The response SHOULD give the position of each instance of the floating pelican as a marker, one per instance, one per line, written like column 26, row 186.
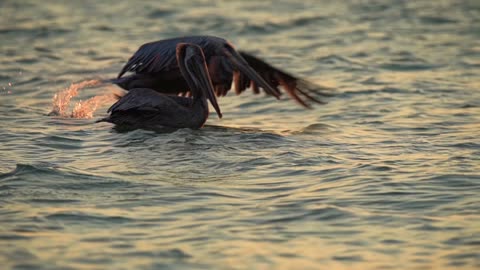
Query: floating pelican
column 147, row 108
column 155, row 66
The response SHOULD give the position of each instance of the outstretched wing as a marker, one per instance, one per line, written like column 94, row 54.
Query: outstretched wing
column 301, row 90
column 160, row 56
column 155, row 66
column 152, row 57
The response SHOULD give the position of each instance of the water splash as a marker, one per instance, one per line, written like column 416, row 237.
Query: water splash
column 86, row 108
column 61, row 100
column 81, row 109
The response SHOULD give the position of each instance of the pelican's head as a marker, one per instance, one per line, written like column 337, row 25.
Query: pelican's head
column 191, row 60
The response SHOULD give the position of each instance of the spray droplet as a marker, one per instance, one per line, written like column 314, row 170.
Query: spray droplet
column 61, row 100
column 86, row 108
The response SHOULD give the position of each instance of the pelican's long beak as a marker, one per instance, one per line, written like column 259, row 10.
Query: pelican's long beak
column 207, row 88
column 240, row 63
column 195, row 72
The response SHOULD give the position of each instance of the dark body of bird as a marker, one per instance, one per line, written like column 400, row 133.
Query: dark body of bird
column 149, row 109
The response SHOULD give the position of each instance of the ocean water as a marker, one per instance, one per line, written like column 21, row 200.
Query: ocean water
column 384, row 176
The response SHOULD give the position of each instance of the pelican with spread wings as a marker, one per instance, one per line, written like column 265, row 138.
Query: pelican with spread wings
column 155, row 66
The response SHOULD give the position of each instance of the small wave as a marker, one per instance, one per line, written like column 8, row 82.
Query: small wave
column 352, row 258
column 278, row 24
column 102, row 28
column 322, row 213
column 41, row 31
column 313, row 129
column 171, row 253
column 80, row 217
column 160, row 13
column 372, row 81
column 336, row 59
column 387, row 90
column 437, row 20
column 407, row 66
column 22, row 169
column 27, row 60
column 71, row 179
column 10, row 237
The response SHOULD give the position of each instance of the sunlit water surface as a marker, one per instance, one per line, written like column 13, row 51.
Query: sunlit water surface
column 385, row 176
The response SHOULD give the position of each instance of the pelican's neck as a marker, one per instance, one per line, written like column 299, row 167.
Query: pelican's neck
column 200, row 106
column 200, row 100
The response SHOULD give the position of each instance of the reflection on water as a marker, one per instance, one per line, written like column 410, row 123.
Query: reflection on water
column 384, row 176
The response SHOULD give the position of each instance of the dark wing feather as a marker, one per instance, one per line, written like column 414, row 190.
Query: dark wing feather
column 301, row 90
column 160, row 56
column 152, row 58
